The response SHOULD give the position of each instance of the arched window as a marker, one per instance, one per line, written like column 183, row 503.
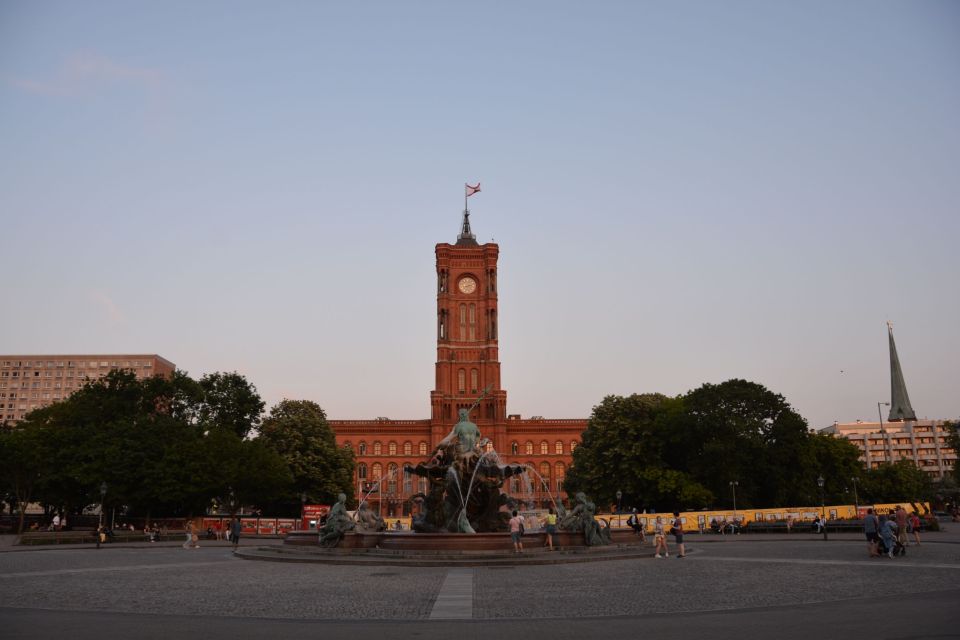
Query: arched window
column 348, row 445
column 407, row 484
column 461, row 380
column 561, row 471
column 545, row 473
column 362, row 448
column 377, row 448
column 573, row 445
column 558, row 448
column 528, row 448
column 423, row 448
column 544, row 448
column 407, row 448
column 377, row 470
column 474, row 380
column 514, row 448
column 362, row 470
column 392, row 448
column 463, row 322
column 473, row 322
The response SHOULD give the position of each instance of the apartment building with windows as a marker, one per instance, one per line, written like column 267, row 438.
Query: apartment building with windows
column 29, row 382
column 923, row 442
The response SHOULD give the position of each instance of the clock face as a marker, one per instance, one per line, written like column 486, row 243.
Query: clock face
column 467, row 285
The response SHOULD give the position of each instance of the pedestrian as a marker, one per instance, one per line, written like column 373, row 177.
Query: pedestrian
column 659, row 539
column 56, row 522
column 888, row 532
column 193, row 539
column 550, row 526
column 235, row 531
column 915, row 526
column 516, row 531
column 677, row 530
column 901, row 516
column 871, row 529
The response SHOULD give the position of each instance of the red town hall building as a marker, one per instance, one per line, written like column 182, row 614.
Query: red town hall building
column 467, row 376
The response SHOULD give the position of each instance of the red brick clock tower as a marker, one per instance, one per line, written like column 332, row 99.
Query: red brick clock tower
column 468, row 360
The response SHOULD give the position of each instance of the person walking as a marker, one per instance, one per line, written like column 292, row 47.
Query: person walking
column 659, row 539
column 677, row 530
column 193, row 540
column 888, row 531
column 550, row 526
column 516, row 532
column 901, row 517
column 915, row 526
column 235, row 532
column 871, row 529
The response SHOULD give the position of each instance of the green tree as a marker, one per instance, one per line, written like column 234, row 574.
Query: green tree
column 298, row 431
column 953, row 441
column 229, row 401
column 21, row 467
column 838, row 461
column 623, row 449
column 741, row 431
column 901, row 481
column 245, row 471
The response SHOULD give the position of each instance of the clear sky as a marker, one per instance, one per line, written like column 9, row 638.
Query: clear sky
column 682, row 192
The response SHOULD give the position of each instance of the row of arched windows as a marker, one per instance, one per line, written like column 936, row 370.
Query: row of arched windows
column 528, row 447
column 392, row 448
column 375, row 472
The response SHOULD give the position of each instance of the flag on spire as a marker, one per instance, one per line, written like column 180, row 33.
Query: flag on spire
column 472, row 190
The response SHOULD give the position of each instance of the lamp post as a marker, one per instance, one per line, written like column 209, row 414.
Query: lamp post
column 103, row 494
column 733, row 487
column 619, row 507
column 856, row 499
column 886, row 444
column 823, row 507
column 303, row 508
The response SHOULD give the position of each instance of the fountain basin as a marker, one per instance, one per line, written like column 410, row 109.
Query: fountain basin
column 411, row 541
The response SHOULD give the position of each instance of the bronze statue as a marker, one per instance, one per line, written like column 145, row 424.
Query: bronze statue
column 338, row 523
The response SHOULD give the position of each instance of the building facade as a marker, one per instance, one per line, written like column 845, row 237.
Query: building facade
column 467, row 376
column 923, row 442
column 903, row 437
column 29, row 382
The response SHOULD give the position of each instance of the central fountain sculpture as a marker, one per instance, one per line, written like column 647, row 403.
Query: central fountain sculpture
column 465, row 495
column 465, row 482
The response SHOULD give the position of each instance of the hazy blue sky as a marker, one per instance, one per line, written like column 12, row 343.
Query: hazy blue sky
column 682, row 192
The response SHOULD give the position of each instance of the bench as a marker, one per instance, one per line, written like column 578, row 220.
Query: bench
column 90, row 537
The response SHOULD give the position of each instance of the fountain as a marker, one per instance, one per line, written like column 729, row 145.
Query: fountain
column 465, row 507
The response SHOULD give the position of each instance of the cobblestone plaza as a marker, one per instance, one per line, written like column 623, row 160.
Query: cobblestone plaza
column 729, row 586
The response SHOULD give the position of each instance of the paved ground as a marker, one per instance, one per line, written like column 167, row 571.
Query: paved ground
column 732, row 586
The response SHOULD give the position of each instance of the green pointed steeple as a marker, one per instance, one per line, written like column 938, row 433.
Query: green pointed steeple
column 900, row 408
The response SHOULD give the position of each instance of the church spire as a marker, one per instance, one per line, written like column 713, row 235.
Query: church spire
column 900, row 408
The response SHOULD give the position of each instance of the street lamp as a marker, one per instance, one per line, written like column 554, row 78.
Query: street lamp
column 619, row 508
column 886, row 444
column 823, row 507
column 303, row 508
column 856, row 499
column 103, row 494
column 733, row 487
